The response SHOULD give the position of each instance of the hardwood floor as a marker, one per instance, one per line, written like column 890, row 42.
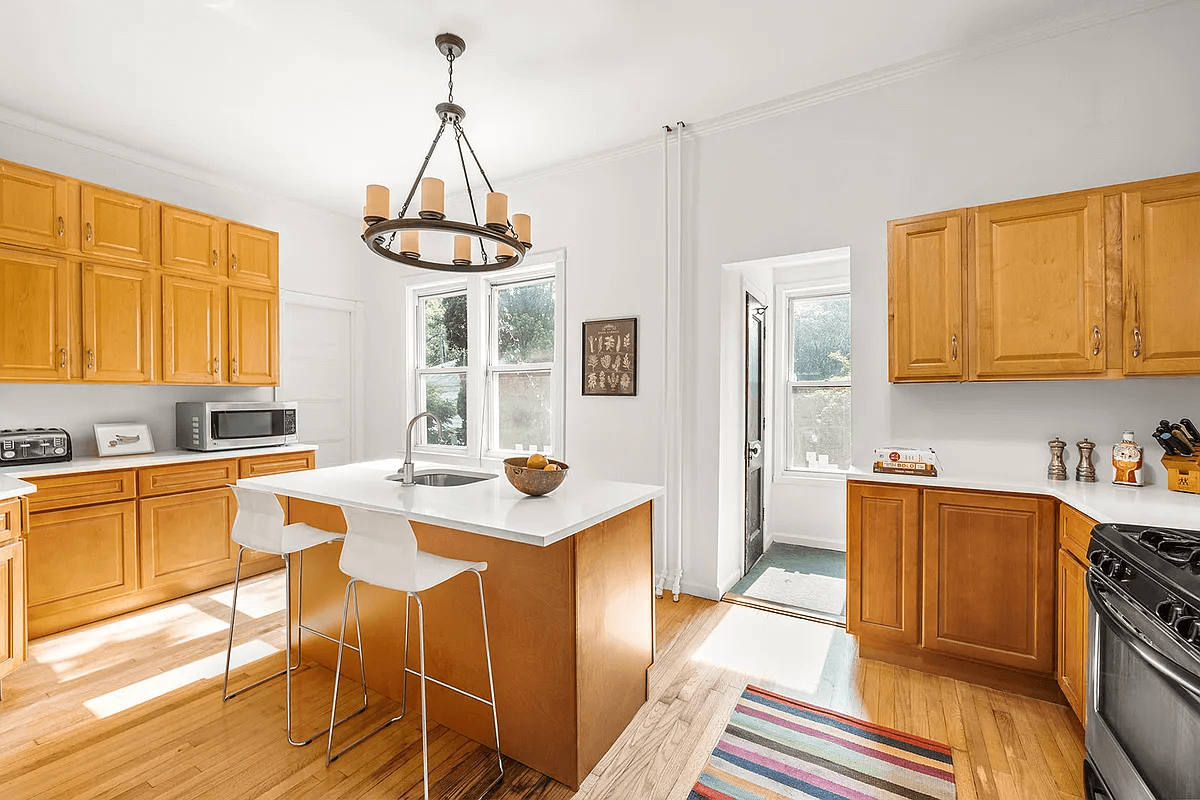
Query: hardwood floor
column 131, row 709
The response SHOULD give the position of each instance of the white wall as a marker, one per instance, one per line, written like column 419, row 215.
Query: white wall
column 319, row 253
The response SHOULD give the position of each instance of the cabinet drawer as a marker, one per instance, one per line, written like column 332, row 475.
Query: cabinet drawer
column 175, row 478
column 10, row 520
column 257, row 466
column 81, row 489
column 1074, row 531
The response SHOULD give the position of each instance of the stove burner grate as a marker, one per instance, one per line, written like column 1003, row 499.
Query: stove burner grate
column 1174, row 546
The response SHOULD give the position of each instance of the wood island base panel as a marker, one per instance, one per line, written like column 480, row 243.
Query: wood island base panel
column 571, row 626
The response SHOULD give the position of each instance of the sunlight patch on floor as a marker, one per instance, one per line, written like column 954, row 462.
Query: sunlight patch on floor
column 135, row 694
column 256, row 600
column 789, row 651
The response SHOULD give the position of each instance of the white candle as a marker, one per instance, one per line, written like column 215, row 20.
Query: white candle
column 378, row 201
column 521, row 225
column 497, row 209
column 503, row 251
column 410, row 243
column 462, row 249
column 433, row 196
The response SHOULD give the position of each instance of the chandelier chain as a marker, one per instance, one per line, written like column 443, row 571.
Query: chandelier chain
column 450, row 59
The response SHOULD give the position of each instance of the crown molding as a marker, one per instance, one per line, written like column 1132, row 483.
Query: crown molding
column 1011, row 39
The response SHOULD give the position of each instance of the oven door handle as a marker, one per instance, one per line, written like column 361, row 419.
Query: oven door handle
column 1130, row 636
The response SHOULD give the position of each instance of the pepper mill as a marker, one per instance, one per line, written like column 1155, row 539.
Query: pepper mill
column 1057, row 471
column 1085, row 470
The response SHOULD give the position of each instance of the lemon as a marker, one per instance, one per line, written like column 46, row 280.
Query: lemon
column 550, row 468
column 537, row 461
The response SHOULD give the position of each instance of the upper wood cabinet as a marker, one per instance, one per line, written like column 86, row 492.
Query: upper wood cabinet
column 191, row 241
column 253, row 255
column 1037, row 288
column 191, row 330
column 1161, row 250
column 34, row 326
column 883, row 525
column 118, row 324
column 253, row 337
column 926, row 259
column 117, row 225
column 989, row 578
column 33, row 207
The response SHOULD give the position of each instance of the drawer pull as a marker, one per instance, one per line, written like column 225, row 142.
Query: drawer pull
column 954, row 347
column 214, row 258
column 88, row 228
column 62, row 358
column 62, row 227
column 1095, row 340
column 1137, row 342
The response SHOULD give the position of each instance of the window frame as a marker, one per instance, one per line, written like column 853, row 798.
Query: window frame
column 480, row 290
column 786, row 297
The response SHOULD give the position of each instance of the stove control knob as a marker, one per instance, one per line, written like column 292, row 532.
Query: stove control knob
column 1115, row 569
column 1169, row 611
column 1098, row 557
column 1188, row 626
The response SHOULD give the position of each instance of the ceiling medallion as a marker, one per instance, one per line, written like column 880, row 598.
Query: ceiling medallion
column 399, row 238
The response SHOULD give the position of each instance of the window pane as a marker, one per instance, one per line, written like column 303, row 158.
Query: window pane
column 446, row 396
column 524, row 414
column 525, row 324
column 821, row 339
column 820, row 420
column 445, row 330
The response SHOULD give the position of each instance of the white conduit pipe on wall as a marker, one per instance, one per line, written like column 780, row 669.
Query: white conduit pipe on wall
column 671, row 564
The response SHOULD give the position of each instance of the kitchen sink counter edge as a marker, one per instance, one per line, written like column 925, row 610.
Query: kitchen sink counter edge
column 98, row 464
column 490, row 507
column 1152, row 505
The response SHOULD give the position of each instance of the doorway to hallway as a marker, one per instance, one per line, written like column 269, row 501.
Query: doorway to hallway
column 801, row 581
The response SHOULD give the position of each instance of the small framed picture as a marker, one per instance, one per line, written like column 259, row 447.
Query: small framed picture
column 610, row 357
column 123, row 438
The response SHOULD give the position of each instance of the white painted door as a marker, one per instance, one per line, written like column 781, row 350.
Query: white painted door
column 319, row 373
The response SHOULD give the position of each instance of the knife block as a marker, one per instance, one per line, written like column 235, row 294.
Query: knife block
column 1183, row 473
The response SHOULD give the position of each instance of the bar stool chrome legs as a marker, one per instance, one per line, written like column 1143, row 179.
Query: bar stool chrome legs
column 302, row 628
column 331, row 756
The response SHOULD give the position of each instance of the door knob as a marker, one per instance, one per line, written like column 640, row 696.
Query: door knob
column 754, row 449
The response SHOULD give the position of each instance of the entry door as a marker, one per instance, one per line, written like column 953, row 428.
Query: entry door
column 755, row 317
column 319, row 372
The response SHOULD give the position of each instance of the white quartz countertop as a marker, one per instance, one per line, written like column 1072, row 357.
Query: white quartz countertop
column 1146, row 505
column 97, row 464
column 11, row 487
column 490, row 507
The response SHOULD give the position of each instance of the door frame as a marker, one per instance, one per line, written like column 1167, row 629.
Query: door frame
column 356, row 309
column 766, row 392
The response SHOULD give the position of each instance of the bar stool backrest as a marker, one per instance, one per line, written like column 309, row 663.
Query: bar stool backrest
column 380, row 549
column 259, row 521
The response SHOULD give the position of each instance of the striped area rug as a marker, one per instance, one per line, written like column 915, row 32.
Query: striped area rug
column 775, row 747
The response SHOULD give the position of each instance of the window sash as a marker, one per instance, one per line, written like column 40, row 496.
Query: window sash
column 495, row 367
column 494, row 289
column 794, row 461
column 422, row 438
column 792, row 301
column 422, row 342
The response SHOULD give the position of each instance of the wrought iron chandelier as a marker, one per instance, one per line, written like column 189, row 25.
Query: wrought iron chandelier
column 399, row 238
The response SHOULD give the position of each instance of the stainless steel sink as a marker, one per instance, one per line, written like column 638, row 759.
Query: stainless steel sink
column 430, row 477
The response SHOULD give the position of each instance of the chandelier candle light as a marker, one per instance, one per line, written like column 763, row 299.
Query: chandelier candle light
column 399, row 238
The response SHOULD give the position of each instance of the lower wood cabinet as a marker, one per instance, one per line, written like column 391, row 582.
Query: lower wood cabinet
column 1072, row 666
column 12, row 607
column 80, row 560
column 184, row 538
column 882, row 562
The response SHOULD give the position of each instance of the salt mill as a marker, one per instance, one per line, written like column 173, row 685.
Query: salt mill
column 1085, row 470
column 1057, row 471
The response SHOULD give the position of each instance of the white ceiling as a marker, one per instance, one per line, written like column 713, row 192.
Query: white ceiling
column 315, row 99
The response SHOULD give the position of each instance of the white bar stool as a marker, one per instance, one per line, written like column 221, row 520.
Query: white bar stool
column 259, row 526
column 381, row 549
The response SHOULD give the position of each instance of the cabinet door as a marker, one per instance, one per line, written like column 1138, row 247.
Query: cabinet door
column 253, row 255
column 34, row 328
column 185, row 537
column 191, row 330
column 1036, row 277
column 253, row 337
column 989, row 578
column 13, row 641
column 33, row 207
column 117, row 225
column 79, row 559
column 191, row 241
column 1161, row 247
column 925, row 298
column 118, row 324
column 1072, row 632
column 882, row 566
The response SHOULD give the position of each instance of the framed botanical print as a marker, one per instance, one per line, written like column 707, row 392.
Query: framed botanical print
column 610, row 352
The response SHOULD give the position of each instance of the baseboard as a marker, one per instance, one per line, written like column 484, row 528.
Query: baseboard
column 808, row 541
column 707, row 591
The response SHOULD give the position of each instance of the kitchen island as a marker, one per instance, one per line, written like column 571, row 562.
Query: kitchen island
column 569, row 589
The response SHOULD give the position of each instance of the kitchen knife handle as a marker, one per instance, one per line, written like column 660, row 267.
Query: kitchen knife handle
column 1190, row 428
column 954, row 347
column 1095, row 340
column 1137, row 341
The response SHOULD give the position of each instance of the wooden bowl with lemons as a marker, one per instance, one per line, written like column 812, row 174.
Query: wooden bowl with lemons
column 534, row 475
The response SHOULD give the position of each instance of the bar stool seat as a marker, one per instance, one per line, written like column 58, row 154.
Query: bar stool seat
column 259, row 526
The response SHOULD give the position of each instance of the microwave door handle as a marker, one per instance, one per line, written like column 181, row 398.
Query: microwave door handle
column 1130, row 636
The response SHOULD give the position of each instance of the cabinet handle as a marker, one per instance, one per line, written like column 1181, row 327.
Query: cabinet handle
column 233, row 261
column 217, row 365
column 214, row 258
column 92, row 360
column 1137, row 341
column 88, row 229
column 62, row 358
column 62, row 227
column 233, row 365
column 954, row 347
column 1095, row 340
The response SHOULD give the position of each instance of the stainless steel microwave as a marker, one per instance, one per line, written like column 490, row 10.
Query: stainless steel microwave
column 231, row 426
